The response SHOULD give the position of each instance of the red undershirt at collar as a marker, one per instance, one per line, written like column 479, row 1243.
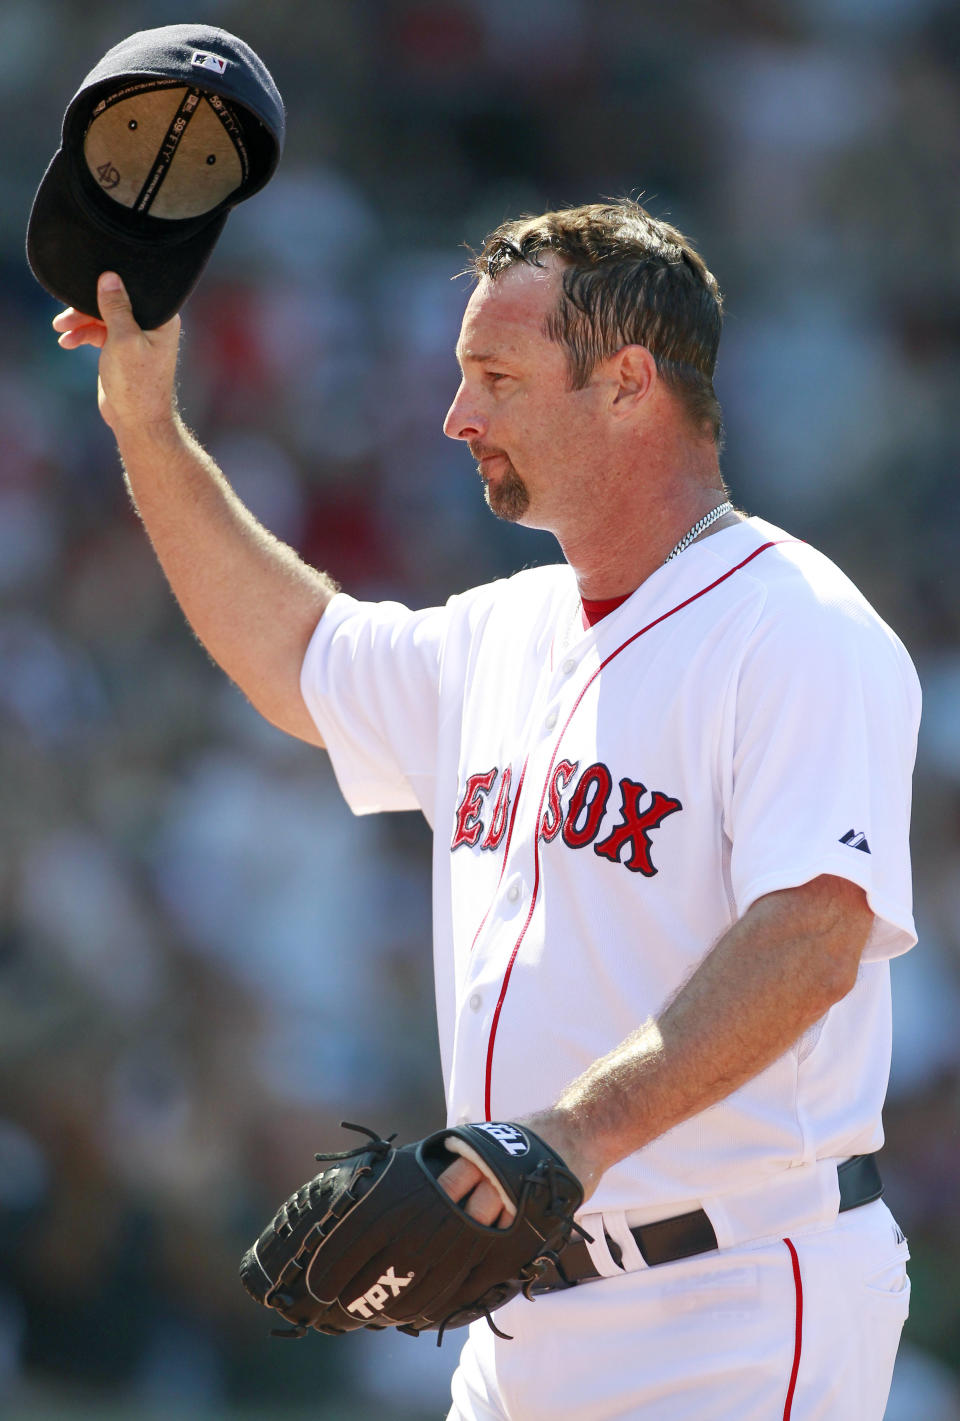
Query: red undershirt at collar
column 594, row 612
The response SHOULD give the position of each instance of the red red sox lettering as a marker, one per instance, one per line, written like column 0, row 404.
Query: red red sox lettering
column 484, row 812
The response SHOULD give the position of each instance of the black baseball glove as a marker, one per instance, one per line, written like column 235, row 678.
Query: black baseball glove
column 374, row 1241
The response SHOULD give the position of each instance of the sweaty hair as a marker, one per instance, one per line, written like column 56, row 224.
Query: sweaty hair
column 628, row 279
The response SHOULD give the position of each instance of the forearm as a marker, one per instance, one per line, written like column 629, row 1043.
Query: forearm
column 773, row 975
column 250, row 599
column 252, row 602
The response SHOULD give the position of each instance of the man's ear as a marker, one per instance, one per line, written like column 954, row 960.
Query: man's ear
column 633, row 371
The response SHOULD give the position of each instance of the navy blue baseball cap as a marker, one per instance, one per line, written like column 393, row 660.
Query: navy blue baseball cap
column 171, row 130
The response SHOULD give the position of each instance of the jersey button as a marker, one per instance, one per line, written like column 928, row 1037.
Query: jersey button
column 476, row 1002
column 551, row 719
column 513, row 892
column 569, row 666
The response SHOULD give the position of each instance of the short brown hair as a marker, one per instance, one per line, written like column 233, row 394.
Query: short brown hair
column 628, row 279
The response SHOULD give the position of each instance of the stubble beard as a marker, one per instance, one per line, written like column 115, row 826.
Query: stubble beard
column 507, row 497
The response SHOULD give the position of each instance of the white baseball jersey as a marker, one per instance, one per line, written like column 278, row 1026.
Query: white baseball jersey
column 606, row 803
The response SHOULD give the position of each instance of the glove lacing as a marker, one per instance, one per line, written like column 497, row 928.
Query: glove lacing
column 289, row 1213
column 378, row 1145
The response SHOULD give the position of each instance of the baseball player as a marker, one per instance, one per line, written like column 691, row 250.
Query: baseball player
column 669, row 783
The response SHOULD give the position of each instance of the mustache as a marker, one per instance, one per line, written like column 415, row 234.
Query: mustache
column 482, row 451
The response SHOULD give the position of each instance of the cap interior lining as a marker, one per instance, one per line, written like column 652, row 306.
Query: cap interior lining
column 165, row 150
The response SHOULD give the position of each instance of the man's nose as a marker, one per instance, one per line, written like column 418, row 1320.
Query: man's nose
column 464, row 420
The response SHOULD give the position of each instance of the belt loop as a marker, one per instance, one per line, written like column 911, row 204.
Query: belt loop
column 800, row 1197
column 616, row 1226
column 600, row 1255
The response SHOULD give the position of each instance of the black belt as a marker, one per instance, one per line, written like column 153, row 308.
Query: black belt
column 671, row 1239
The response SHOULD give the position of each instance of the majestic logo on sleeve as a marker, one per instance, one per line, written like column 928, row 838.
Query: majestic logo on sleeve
column 578, row 806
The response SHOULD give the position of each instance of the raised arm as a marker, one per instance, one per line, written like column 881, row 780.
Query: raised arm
column 250, row 599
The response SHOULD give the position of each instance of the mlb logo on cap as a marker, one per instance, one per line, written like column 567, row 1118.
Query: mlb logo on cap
column 163, row 138
column 209, row 61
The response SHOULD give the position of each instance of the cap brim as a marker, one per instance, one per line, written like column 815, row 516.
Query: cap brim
column 68, row 248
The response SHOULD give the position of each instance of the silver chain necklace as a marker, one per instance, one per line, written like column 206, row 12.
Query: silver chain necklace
column 699, row 527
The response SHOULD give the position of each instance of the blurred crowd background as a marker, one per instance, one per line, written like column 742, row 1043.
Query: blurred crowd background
column 205, row 961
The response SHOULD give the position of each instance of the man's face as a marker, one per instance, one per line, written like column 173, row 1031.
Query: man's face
column 531, row 435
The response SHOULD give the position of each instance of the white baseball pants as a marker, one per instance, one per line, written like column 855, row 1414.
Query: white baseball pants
column 804, row 1329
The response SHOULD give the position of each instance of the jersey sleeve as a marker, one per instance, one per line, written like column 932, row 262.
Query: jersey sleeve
column 371, row 681
column 826, row 720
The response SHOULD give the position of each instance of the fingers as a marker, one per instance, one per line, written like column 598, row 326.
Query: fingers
column 485, row 1205
column 116, row 314
column 468, row 1187
column 76, row 328
column 459, row 1178
column 115, row 309
column 94, row 333
column 71, row 319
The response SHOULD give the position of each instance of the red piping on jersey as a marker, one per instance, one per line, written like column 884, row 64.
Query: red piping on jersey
column 488, row 1073
column 798, row 1338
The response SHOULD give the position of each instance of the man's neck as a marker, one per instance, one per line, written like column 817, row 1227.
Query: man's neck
column 613, row 559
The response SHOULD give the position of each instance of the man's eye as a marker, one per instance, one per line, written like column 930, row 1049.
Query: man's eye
column 494, row 375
